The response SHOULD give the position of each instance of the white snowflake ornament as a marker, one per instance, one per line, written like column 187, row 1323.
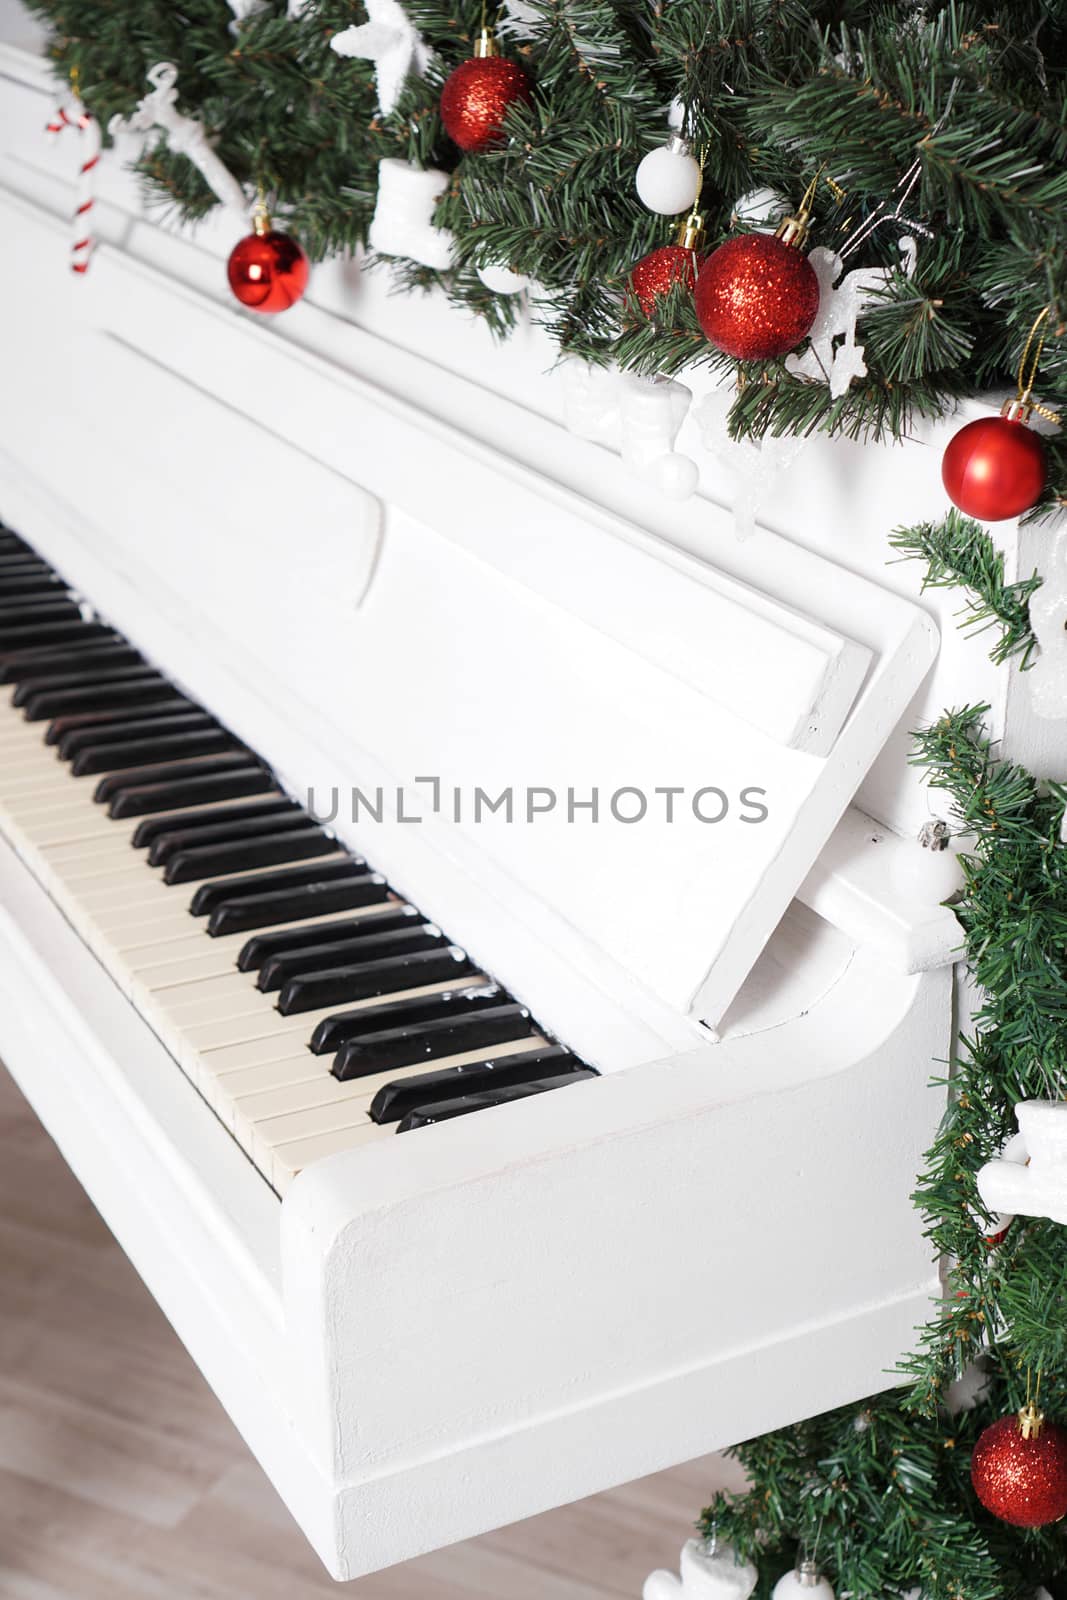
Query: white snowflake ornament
column 1038, row 1189
column 706, row 1574
column 840, row 307
column 392, row 42
column 1047, row 677
column 403, row 216
column 243, row 10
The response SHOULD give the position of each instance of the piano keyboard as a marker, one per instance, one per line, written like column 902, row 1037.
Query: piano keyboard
column 314, row 1009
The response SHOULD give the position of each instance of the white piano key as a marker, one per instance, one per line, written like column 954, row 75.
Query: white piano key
column 288, row 1160
column 161, row 967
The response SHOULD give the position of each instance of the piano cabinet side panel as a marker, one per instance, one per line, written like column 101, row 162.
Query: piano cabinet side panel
column 493, row 1321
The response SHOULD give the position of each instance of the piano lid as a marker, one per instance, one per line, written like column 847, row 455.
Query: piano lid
column 674, row 746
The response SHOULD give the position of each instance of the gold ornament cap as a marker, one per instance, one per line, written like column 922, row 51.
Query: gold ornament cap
column 794, row 230
column 1019, row 409
column 486, row 45
column 1031, row 1421
column 691, row 231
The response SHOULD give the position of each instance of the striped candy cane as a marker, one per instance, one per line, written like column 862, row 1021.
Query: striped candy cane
column 76, row 116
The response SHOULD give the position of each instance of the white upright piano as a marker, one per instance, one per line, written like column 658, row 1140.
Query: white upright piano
column 349, row 573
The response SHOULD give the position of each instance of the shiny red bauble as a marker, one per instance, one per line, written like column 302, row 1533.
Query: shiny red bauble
column 656, row 274
column 476, row 97
column 756, row 297
column 995, row 468
column 1019, row 1470
column 268, row 272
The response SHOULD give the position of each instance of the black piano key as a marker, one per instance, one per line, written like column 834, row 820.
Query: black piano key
column 335, row 1033
column 23, row 610
column 13, row 640
column 262, row 809
column 269, row 850
column 418, row 957
column 172, row 772
column 101, row 676
column 429, row 1041
column 104, row 655
column 263, row 947
column 143, row 800
column 166, row 745
column 49, row 703
column 123, row 732
column 168, row 704
column 214, row 830
column 396, row 1099
column 299, row 905
column 210, row 895
column 366, row 935
column 32, row 584
column 372, row 979
column 463, row 1105
column 19, row 560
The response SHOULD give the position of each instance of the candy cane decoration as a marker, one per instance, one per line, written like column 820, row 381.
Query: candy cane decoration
column 76, row 116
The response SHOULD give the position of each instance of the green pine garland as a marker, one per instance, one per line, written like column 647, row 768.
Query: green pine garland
column 882, row 1490
column 776, row 91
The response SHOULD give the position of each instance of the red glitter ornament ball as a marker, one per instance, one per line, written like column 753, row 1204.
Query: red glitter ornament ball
column 995, row 468
column 475, row 98
column 656, row 274
column 756, row 297
column 1019, row 1469
column 268, row 271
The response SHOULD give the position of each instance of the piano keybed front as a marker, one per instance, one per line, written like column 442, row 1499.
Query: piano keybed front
column 313, row 1008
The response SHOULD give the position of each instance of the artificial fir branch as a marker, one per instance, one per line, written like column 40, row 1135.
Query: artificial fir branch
column 958, row 552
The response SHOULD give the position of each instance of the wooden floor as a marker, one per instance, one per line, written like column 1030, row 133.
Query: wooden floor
column 121, row 1478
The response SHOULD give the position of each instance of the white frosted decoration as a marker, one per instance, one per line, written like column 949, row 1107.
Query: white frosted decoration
column 968, row 1390
column 651, row 411
column 755, row 464
column 1047, row 677
column 297, row 9
column 926, row 875
column 185, row 136
column 403, row 216
column 1016, row 1153
column 1038, row 1189
column 705, row 1575
column 591, row 401
column 762, row 209
column 825, row 360
column 502, row 280
column 389, row 39
column 804, row 1584
column 676, row 115
column 519, row 20
column 243, row 9
column 668, row 179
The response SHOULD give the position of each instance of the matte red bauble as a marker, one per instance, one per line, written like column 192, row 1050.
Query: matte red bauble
column 1019, row 1469
column 756, row 297
column 995, row 468
column 268, row 271
column 477, row 95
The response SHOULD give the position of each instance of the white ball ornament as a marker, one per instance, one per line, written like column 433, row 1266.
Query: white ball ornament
column 805, row 1583
column 929, row 871
column 668, row 179
column 760, row 208
column 501, row 280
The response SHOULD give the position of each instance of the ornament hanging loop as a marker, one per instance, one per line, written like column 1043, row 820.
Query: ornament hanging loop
column 1022, row 408
column 261, row 219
